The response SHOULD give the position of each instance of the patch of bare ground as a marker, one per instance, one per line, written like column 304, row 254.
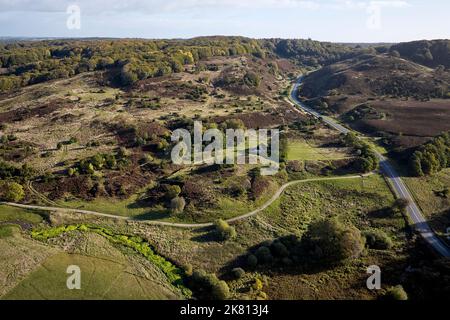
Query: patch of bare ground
column 280, row 116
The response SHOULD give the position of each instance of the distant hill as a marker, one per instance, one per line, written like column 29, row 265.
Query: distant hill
column 310, row 52
column 378, row 75
column 384, row 95
column 429, row 53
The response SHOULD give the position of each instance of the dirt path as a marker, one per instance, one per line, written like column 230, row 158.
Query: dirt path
column 187, row 225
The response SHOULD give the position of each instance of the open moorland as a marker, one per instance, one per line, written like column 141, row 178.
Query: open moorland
column 87, row 125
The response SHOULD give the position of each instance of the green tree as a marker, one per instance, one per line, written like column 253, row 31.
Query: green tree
column 252, row 261
column 364, row 165
column 220, row 290
column 416, row 164
column 238, row 273
column 332, row 242
column 264, row 255
column 378, row 239
column 12, row 192
column 400, row 205
column 172, row 191
column 209, row 285
column 396, row 293
column 224, row 230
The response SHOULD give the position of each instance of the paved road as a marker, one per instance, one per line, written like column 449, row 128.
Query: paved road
column 183, row 225
column 420, row 223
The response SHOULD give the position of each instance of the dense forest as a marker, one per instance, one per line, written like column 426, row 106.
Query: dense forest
column 27, row 63
column 432, row 157
column 311, row 53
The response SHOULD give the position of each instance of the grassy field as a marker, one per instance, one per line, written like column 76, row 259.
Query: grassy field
column 352, row 200
column 108, row 271
column 357, row 201
column 127, row 208
column 32, row 269
column 303, row 150
column 11, row 214
column 426, row 192
column 100, row 278
column 19, row 256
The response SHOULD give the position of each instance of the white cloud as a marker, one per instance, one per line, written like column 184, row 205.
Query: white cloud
column 149, row 6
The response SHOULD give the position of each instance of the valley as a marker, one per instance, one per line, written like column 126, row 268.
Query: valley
column 87, row 178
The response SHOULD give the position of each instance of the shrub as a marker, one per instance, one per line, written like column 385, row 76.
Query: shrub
column 12, row 192
column 236, row 190
column 400, row 205
column 258, row 284
column 263, row 254
column 172, row 191
column 177, row 205
column 259, row 186
column 224, row 230
column 396, row 293
column 279, row 249
column 238, row 273
column 331, row 242
column 395, row 53
column 220, row 291
column 252, row 79
column 188, row 269
column 377, row 239
column 71, row 172
column 209, row 285
column 252, row 261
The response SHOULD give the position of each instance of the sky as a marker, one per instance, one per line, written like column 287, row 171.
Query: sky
column 324, row 20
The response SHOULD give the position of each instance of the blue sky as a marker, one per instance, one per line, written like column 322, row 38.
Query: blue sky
column 332, row 20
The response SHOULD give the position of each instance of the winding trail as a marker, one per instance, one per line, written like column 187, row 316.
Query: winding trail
column 186, row 225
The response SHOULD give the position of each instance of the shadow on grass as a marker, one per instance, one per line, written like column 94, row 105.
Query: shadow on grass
column 297, row 257
column 204, row 235
column 382, row 213
column 152, row 216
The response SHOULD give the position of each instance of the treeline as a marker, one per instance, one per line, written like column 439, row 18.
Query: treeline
column 366, row 160
column 34, row 62
column 309, row 52
column 26, row 63
column 431, row 157
column 430, row 53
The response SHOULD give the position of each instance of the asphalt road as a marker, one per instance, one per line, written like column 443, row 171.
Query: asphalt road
column 420, row 223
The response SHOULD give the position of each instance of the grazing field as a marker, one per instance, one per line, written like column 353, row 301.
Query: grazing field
column 31, row 269
column 12, row 214
column 352, row 200
column 107, row 271
column 304, row 150
column 19, row 256
column 101, row 279
column 130, row 207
